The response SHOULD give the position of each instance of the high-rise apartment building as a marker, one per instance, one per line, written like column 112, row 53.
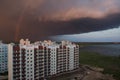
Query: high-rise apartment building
column 40, row 60
column 3, row 57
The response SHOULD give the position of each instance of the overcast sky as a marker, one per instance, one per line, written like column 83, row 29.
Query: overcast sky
column 75, row 20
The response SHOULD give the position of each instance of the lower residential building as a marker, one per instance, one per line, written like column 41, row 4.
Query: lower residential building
column 3, row 57
column 40, row 60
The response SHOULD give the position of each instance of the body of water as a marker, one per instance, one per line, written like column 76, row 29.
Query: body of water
column 109, row 49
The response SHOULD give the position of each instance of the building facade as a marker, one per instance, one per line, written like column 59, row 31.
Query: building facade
column 3, row 57
column 40, row 60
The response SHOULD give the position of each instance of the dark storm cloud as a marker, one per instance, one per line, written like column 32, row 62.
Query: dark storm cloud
column 42, row 30
column 40, row 19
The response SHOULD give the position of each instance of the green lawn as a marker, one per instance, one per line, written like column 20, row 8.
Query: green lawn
column 110, row 64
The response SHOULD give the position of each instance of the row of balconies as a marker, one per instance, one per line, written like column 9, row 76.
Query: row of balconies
column 16, row 53
column 16, row 73
column 17, row 64
column 16, row 57
column 18, row 77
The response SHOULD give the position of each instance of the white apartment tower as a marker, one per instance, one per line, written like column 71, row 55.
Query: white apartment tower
column 40, row 60
column 3, row 57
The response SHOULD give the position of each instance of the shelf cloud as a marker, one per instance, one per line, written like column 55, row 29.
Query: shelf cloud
column 40, row 19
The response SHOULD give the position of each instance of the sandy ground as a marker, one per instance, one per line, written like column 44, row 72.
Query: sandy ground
column 85, row 73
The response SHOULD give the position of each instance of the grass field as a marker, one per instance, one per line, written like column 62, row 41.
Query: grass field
column 110, row 64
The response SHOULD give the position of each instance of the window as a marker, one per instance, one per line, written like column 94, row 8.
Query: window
column 27, row 50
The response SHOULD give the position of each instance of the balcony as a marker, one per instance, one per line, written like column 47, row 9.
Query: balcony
column 23, row 57
column 16, row 48
column 23, row 68
column 23, row 61
column 24, row 78
column 23, row 52
column 23, row 65
column 17, row 57
column 40, row 47
column 23, row 73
